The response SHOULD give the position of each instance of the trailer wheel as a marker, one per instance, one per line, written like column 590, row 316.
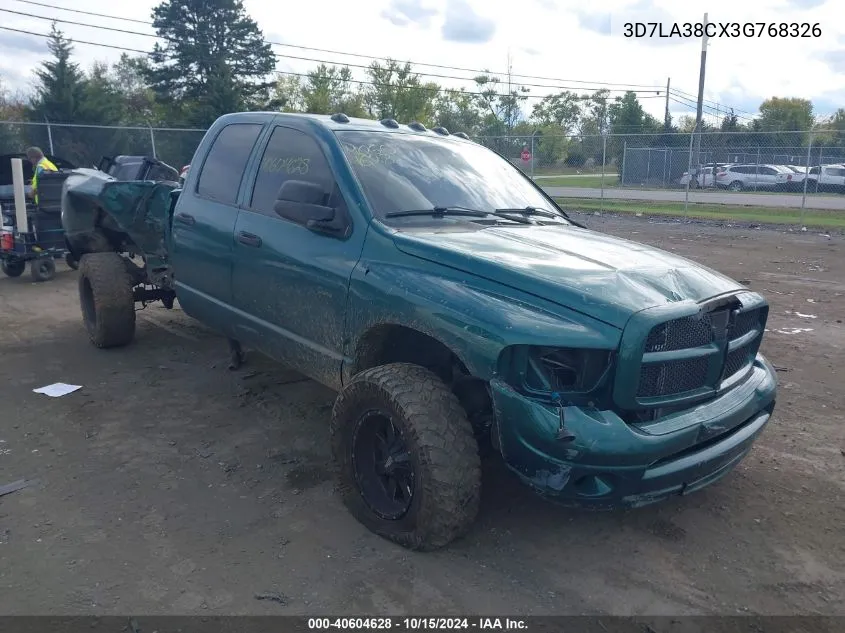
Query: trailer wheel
column 407, row 460
column 42, row 269
column 13, row 267
column 106, row 299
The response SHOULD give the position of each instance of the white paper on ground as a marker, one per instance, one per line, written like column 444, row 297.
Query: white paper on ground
column 57, row 389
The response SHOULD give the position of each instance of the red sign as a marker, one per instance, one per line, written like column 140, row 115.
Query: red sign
column 526, row 155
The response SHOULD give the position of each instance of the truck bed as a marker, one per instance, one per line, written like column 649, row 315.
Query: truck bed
column 132, row 215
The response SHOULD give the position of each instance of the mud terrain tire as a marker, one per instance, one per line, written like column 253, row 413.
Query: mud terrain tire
column 439, row 446
column 105, row 296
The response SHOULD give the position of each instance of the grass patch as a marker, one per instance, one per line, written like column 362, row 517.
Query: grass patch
column 581, row 180
column 565, row 171
column 753, row 215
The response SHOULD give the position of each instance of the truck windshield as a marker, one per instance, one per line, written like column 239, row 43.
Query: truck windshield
column 408, row 172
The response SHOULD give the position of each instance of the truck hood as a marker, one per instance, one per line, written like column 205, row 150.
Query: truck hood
column 604, row 277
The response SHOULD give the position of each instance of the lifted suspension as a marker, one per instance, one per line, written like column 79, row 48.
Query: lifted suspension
column 148, row 295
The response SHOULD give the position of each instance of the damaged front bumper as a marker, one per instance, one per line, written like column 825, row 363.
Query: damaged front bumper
column 611, row 463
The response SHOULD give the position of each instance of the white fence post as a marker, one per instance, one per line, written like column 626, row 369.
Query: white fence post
column 152, row 140
column 689, row 175
column 806, row 176
column 603, row 161
column 624, row 155
column 50, row 136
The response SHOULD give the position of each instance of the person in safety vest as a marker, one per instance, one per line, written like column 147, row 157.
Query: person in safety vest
column 40, row 164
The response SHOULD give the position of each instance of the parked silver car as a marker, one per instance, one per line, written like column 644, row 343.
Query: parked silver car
column 750, row 176
column 826, row 178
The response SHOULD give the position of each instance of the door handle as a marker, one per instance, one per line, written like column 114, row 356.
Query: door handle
column 185, row 218
column 249, row 239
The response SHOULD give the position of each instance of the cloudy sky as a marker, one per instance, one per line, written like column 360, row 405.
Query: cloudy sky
column 568, row 43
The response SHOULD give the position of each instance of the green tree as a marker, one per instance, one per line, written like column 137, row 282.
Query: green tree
column 288, row 93
column 11, row 109
column 595, row 118
column 561, row 110
column 457, row 111
column 786, row 115
column 785, row 122
column 329, row 89
column 627, row 116
column 139, row 105
column 502, row 104
column 396, row 92
column 215, row 59
column 730, row 123
column 60, row 86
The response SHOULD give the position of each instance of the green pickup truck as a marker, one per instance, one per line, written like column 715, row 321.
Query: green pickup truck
column 453, row 305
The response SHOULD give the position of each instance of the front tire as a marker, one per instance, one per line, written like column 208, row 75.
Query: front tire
column 407, row 460
column 106, row 299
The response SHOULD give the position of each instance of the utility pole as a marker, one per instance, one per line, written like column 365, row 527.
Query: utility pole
column 700, row 105
column 508, row 112
column 667, row 122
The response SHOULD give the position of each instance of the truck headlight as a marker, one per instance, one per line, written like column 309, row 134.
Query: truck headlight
column 578, row 375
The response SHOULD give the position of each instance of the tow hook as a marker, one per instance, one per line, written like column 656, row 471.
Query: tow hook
column 562, row 434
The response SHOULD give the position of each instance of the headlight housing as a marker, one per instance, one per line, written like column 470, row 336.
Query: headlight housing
column 573, row 376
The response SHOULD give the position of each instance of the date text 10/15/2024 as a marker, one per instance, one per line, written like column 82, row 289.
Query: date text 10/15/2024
column 721, row 29
column 418, row 624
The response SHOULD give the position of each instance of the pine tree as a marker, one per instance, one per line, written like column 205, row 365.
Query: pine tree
column 215, row 59
column 60, row 91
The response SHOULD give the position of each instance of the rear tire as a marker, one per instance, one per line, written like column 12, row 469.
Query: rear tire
column 42, row 269
column 106, row 299
column 13, row 267
column 71, row 262
column 736, row 185
column 426, row 492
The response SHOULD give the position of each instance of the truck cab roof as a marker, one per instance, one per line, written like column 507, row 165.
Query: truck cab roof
column 340, row 121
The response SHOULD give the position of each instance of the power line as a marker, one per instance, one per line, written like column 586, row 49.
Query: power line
column 306, row 75
column 361, row 55
column 713, row 109
column 681, row 93
column 280, row 55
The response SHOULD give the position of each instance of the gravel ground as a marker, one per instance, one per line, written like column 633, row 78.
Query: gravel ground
column 170, row 485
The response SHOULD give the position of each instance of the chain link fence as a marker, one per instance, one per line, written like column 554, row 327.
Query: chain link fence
column 85, row 145
column 760, row 176
column 637, row 172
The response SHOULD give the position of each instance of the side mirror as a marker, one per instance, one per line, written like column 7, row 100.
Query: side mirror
column 305, row 203
column 302, row 201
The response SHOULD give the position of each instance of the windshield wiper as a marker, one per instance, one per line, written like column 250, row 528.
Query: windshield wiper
column 439, row 212
column 529, row 211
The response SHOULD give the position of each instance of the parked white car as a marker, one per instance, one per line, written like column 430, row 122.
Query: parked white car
column 706, row 178
column 740, row 177
column 827, row 178
column 799, row 173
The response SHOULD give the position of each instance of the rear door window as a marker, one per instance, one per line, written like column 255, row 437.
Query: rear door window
column 224, row 166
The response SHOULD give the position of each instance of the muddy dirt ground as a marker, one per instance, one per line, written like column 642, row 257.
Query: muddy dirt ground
column 169, row 484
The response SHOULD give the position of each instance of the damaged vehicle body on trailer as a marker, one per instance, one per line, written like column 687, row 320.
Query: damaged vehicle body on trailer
column 451, row 303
